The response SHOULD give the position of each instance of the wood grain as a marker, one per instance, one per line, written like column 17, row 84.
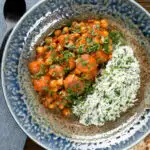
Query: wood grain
column 143, row 145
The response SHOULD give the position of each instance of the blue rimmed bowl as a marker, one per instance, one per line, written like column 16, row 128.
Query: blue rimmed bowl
column 52, row 131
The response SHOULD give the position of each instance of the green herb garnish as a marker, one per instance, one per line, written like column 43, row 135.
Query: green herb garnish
column 116, row 37
column 97, row 26
column 70, row 46
column 106, row 40
column 41, row 72
column 50, row 48
column 66, row 70
column 80, row 50
column 93, row 32
column 106, row 48
column 89, row 40
column 93, row 47
column 67, row 55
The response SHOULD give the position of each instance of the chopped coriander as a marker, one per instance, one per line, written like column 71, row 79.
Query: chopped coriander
column 48, row 40
column 84, row 62
column 50, row 47
column 67, row 55
column 93, row 32
column 76, row 29
column 97, row 26
column 106, row 40
column 80, row 50
column 53, row 55
column 50, row 93
column 45, row 88
column 70, row 46
column 69, row 24
column 58, row 60
column 67, row 39
column 41, row 72
column 52, row 66
column 66, row 70
column 93, row 47
column 105, row 48
column 89, row 39
column 116, row 37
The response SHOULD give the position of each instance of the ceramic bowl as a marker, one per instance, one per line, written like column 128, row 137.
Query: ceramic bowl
column 52, row 131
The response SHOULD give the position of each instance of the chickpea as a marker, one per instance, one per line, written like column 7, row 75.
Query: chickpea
column 101, row 41
column 73, row 36
column 60, row 82
column 55, row 89
column 48, row 40
column 96, row 40
column 54, row 45
column 56, row 71
column 66, row 30
column 48, row 61
column 60, row 47
column 104, row 23
column 101, row 57
column 66, row 111
column 82, row 24
column 90, row 76
column 61, row 106
column 53, row 84
column 104, row 33
column 40, row 50
column 63, row 93
column 45, row 47
column 77, row 71
column 34, row 67
column 41, row 84
column 49, row 100
column 52, row 106
column 82, row 41
column 97, row 22
column 85, row 35
column 57, row 32
column 74, row 23
column 61, row 39
column 40, row 60
column 83, row 29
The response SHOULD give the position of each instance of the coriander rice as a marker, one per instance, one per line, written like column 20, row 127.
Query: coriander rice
column 115, row 90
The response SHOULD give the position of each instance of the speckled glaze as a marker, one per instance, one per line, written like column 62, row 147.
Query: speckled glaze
column 20, row 96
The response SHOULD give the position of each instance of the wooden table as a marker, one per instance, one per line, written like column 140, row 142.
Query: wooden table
column 143, row 145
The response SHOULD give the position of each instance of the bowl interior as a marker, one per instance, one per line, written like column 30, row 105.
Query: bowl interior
column 69, row 126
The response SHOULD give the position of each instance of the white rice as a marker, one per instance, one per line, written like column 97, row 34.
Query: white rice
column 115, row 90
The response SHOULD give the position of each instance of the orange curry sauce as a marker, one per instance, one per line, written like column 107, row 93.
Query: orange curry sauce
column 67, row 60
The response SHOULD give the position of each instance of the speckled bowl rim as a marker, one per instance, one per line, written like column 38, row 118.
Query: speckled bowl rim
column 3, row 82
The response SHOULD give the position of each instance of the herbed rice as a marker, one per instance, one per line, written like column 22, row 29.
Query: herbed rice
column 115, row 90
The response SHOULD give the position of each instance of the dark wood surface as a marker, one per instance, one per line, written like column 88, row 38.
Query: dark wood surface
column 30, row 145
